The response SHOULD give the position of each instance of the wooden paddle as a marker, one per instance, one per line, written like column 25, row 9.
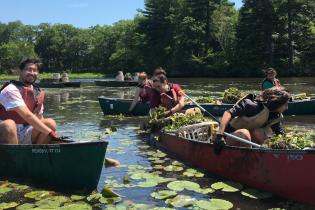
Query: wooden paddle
column 236, row 138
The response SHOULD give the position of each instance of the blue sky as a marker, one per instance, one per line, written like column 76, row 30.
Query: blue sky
column 80, row 13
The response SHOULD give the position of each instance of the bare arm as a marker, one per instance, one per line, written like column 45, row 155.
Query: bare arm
column 135, row 100
column 32, row 119
column 179, row 106
column 224, row 121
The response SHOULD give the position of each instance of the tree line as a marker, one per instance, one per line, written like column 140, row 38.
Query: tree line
column 186, row 37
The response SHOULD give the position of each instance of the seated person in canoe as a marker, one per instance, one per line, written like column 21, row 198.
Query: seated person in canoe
column 143, row 90
column 270, row 79
column 21, row 109
column 256, row 118
column 120, row 76
column 166, row 94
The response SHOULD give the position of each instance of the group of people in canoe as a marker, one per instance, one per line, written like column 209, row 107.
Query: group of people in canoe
column 254, row 118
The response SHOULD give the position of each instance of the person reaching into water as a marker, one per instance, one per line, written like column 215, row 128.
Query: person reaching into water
column 166, row 94
column 256, row 118
column 21, row 109
column 143, row 91
column 270, row 80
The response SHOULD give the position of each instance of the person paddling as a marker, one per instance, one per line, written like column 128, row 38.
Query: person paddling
column 168, row 95
column 143, row 90
column 270, row 80
column 256, row 118
column 21, row 109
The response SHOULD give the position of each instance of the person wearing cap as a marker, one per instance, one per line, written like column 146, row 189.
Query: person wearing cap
column 270, row 80
column 21, row 109
column 256, row 118
column 143, row 91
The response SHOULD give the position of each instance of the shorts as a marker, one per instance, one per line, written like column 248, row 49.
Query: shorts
column 24, row 134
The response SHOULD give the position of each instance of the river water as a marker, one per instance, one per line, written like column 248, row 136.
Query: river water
column 78, row 115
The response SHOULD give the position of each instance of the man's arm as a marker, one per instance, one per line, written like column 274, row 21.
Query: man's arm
column 32, row 119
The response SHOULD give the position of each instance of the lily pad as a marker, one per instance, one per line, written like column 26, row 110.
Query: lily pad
column 173, row 168
column 77, row 197
column 148, row 183
column 110, row 200
column 214, row 204
column 205, row 191
column 255, row 194
column 176, row 163
column 158, row 167
column 37, row 195
column 181, row 201
column 109, row 193
column 19, row 187
column 158, row 161
column 8, row 205
column 163, row 194
column 52, row 202
column 26, row 206
column 4, row 190
column 94, row 197
column 77, row 206
column 193, row 173
column 227, row 186
column 182, row 185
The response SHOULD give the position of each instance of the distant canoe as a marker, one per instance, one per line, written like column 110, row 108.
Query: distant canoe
column 73, row 165
column 59, row 84
column 114, row 83
column 287, row 173
column 112, row 106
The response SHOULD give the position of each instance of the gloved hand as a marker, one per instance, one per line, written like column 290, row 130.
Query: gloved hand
column 218, row 143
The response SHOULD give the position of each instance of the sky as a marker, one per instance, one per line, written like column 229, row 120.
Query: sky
column 80, row 13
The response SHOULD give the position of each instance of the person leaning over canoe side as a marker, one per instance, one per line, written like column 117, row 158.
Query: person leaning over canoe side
column 143, row 90
column 270, row 80
column 256, row 118
column 21, row 109
column 166, row 94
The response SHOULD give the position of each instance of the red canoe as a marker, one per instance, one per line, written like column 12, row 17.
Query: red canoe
column 287, row 173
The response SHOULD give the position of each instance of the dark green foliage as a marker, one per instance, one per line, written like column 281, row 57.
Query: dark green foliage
column 186, row 37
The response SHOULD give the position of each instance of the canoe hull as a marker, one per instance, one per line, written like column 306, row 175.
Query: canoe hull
column 71, row 166
column 114, row 83
column 288, row 174
column 111, row 106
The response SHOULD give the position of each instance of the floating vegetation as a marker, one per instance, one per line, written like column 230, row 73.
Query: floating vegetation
column 207, row 100
column 193, row 173
column 255, row 194
column 37, row 195
column 8, row 205
column 163, row 194
column 181, row 201
column 173, row 168
column 183, row 185
column 300, row 97
column 172, row 123
column 214, row 204
column 293, row 140
column 232, row 95
column 227, row 186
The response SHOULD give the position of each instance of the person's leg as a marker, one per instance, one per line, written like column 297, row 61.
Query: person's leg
column 243, row 133
column 260, row 135
column 8, row 134
column 40, row 138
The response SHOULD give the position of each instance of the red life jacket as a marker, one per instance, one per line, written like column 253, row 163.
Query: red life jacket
column 33, row 99
column 145, row 91
column 169, row 99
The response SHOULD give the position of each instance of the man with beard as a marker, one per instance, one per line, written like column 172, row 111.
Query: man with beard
column 21, row 109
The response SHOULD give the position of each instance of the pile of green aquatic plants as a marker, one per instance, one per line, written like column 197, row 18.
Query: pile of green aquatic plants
column 172, row 123
column 292, row 140
column 206, row 100
column 300, row 97
column 232, row 95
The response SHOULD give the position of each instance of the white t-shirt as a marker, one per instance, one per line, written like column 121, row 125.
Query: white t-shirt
column 10, row 98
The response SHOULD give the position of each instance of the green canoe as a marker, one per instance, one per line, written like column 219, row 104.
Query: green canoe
column 70, row 166
column 112, row 106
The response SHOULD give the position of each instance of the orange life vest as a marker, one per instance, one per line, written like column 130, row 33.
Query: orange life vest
column 33, row 99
